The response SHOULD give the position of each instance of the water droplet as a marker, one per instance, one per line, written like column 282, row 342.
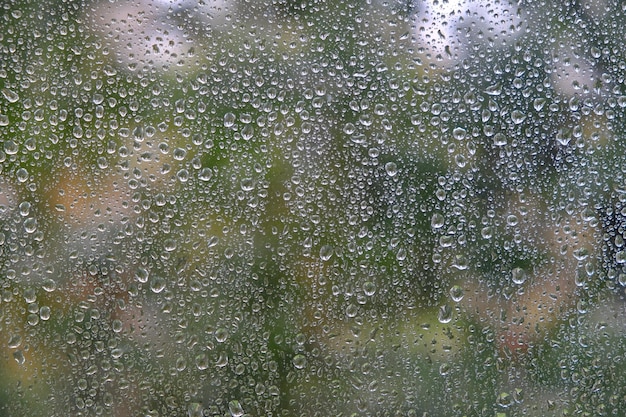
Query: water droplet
column 229, row 120
column 205, row 174
column 620, row 257
column 445, row 314
column 247, row 132
column 10, row 147
column 202, row 361
column 352, row 310
column 221, row 335
column 326, row 252
column 499, row 139
column 169, row 245
column 10, row 95
column 30, row 225
column 236, row 410
column 15, row 341
column 299, row 361
column 518, row 275
column 117, row 325
column 539, row 103
column 19, row 357
column 222, row 360
column 517, row 116
column 182, row 175
column 142, row 274
column 456, row 293
column 459, row 133
column 21, row 175
column 391, row 169
column 157, row 284
column 44, row 313
column 494, row 90
column 436, row 221
column 49, row 285
column 369, row 288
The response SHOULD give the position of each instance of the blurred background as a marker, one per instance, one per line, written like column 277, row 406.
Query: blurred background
column 312, row 208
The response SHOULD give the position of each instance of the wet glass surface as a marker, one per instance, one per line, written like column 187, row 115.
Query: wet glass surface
column 312, row 208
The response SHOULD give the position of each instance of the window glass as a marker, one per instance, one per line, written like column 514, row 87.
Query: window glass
column 312, row 208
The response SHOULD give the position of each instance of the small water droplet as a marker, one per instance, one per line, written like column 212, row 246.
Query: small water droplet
column 15, row 341
column 518, row 275
column 456, row 293
column 299, row 361
column 229, row 119
column 22, row 175
column 445, row 314
column 499, row 139
column 10, row 147
column 30, row 225
column 169, row 245
column 202, row 361
column 369, row 288
column 391, row 169
column 517, row 116
column 247, row 132
column 459, row 133
column 326, row 252
column 236, row 410
column 221, row 335
column 205, row 174
column 222, row 360
column 142, row 274
column 10, row 95
column 49, row 285
column 19, row 357
column 436, row 221
column 157, row 284
column 44, row 313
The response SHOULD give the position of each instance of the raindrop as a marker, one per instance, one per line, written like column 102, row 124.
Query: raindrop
column 202, row 361
column 445, row 314
column 221, row 335
column 391, row 169
column 157, row 284
column 235, row 409
column 299, row 361
column 15, row 341
column 49, row 285
column 222, row 360
column 169, row 245
column 229, row 119
column 142, row 274
column 30, row 225
column 10, row 95
column 499, row 139
column 22, row 175
column 44, row 313
column 518, row 275
column 326, row 252
column 436, row 221
column 247, row 132
column 456, row 293
column 369, row 288
column 10, row 147
column 205, row 174
column 459, row 133
column 517, row 116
